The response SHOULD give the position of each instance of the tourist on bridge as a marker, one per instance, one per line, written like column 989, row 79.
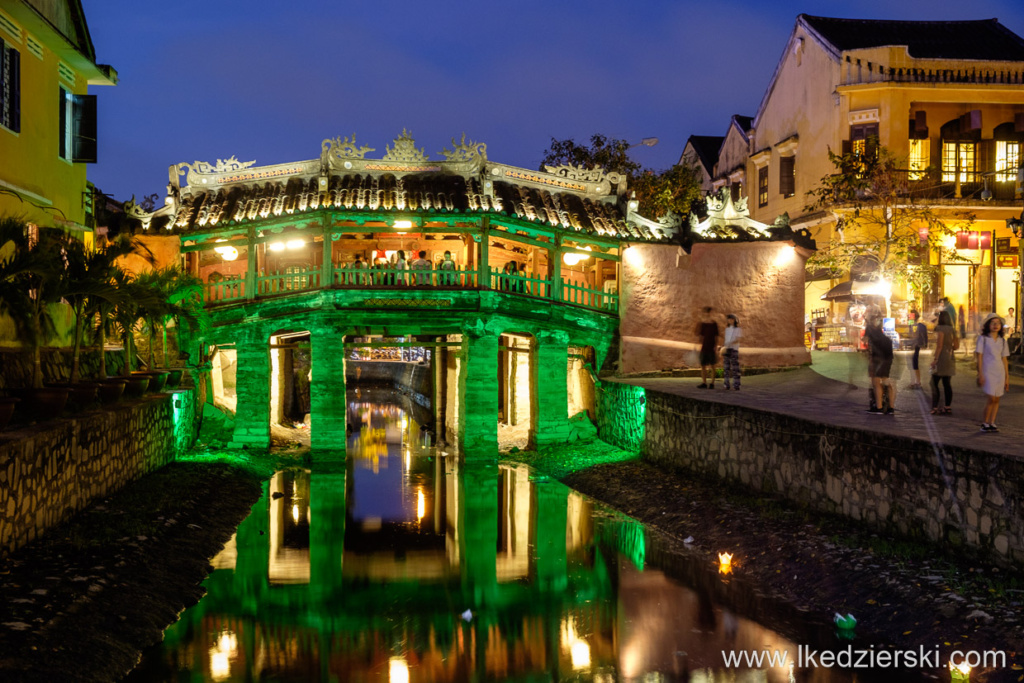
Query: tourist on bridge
column 992, row 351
column 943, row 364
column 707, row 331
column 879, row 364
column 358, row 278
column 731, row 352
column 421, row 264
column 448, row 269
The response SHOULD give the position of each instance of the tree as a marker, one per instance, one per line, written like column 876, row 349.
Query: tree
column 880, row 222
column 659, row 193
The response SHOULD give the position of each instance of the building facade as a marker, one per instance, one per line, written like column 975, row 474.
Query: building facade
column 946, row 98
column 47, row 116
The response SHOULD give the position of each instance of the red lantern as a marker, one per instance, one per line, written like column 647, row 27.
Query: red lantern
column 972, row 239
column 961, row 239
column 922, row 232
column 985, row 240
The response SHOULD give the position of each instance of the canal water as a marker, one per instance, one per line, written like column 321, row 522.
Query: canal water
column 401, row 564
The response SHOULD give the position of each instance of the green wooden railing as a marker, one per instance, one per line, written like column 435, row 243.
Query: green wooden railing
column 297, row 280
column 223, row 290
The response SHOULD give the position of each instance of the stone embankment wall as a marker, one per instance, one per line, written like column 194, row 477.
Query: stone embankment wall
column 53, row 470
column 952, row 496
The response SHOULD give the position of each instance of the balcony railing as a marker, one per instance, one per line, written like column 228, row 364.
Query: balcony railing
column 227, row 291
column 877, row 73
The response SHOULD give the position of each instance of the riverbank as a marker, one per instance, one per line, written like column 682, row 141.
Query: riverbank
column 83, row 601
column 903, row 594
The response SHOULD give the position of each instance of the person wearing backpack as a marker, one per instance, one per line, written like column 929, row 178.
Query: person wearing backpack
column 992, row 352
column 943, row 365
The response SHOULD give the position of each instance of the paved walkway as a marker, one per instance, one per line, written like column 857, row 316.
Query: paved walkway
column 834, row 391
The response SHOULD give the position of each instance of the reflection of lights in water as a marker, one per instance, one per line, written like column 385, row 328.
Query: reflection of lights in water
column 579, row 649
column 421, row 505
column 398, row 670
column 960, row 673
column 221, row 654
column 725, row 563
column 295, row 513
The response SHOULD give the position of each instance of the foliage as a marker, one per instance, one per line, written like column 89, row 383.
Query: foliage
column 880, row 222
column 659, row 193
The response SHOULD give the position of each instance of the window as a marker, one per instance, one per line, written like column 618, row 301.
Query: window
column 864, row 139
column 787, row 176
column 10, row 87
column 734, row 192
column 1008, row 151
column 762, row 186
column 77, row 132
column 917, row 162
column 959, row 157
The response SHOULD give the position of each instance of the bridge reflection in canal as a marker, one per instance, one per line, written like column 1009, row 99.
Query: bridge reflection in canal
column 404, row 564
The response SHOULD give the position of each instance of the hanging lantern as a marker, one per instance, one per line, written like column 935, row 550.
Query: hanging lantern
column 985, row 240
column 922, row 232
column 972, row 239
column 961, row 239
column 725, row 563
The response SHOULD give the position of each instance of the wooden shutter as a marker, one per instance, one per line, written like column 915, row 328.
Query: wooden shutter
column 63, row 119
column 83, row 135
column 787, row 179
column 10, row 87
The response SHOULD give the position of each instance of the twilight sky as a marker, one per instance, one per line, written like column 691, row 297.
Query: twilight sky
column 270, row 79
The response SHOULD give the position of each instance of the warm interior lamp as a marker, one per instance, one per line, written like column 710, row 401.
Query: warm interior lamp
column 227, row 253
column 295, row 244
column 403, row 225
column 276, row 246
column 572, row 258
column 421, row 505
column 725, row 563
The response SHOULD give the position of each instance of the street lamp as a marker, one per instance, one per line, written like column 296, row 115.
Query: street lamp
column 645, row 142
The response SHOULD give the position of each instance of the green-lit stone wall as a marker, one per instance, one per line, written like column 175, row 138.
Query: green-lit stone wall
column 621, row 415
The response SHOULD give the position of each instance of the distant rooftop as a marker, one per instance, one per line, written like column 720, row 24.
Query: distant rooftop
column 707, row 147
column 985, row 39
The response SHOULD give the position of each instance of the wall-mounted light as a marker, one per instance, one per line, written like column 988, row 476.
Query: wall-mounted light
column 276, row 246
column 402, row 226
column 295, row 244
column 572, row 258
column 227, row 253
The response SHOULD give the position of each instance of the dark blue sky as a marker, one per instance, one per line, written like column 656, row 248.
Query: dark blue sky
column 270, row 79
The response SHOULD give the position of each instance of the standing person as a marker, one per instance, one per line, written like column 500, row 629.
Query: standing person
column 420, row 264
column 1011, row 322
column 879, row 364
column 943, row 366
column 920, row 342
column 707, row 331
column 731, row 352
column 400, row 267
column 448, row 269
column 992, row 351
column 961, row 319
column 948, row 307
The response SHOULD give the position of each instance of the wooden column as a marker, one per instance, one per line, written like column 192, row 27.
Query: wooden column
column 556, row 269
column 251, row 272
column 327, row 265
column 483, row 265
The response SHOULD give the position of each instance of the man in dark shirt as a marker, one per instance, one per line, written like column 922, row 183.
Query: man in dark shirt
column 707, row 331
column 879, row 364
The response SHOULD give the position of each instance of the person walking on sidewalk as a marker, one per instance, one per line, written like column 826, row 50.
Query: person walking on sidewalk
column 880, row 365
column 992, row 351
column 731, row 352
column 707, row 330
column 920, row 342
column 943, row 366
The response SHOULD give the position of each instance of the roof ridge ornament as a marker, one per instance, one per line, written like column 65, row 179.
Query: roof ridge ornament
column 475, row 152
column 339, row 148
column 588, row 175
column 405, row 150
column 197, row 168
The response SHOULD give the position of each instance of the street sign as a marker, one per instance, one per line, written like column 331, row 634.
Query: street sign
column 1006, row 260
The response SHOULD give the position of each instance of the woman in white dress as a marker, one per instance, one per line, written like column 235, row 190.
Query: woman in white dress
column 992, row 351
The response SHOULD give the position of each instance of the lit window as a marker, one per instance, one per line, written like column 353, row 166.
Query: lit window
column 10, row 87
column 864, row 139
column 919, row 158
column 962, row 156
column 762, row 186
column 1007, row 160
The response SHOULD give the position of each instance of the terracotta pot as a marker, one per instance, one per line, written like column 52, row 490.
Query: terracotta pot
column 157, row 379
column 43, row 404
column 174, row 378
column 135, row 386
column 6, row 410
column 80, row 396
column 111, row 390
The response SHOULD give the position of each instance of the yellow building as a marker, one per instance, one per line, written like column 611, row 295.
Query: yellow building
column 945, row 96
column 47, row 117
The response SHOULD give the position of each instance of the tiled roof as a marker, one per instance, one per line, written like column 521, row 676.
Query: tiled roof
column 707, row 147
column 981, row 40
column 424, row 194
column 744, row 122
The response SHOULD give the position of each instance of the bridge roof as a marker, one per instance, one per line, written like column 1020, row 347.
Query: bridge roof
column 405, row 184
